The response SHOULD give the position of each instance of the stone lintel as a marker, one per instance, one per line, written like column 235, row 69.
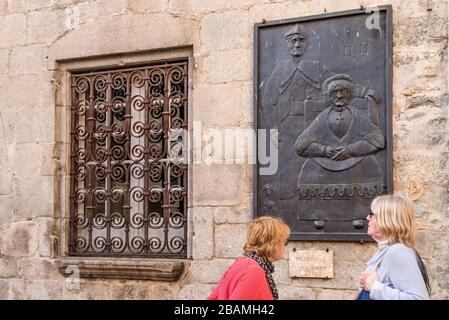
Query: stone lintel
column 120, row 268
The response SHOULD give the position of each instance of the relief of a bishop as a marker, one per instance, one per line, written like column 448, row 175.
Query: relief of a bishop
column 340, row 145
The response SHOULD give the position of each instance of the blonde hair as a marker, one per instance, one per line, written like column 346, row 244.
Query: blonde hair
column 395, row 219
column 264, row 236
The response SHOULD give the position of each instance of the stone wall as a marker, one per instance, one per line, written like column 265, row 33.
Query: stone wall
column 34, row 34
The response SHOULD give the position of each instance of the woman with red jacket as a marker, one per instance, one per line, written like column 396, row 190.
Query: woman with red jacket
column 250, row 277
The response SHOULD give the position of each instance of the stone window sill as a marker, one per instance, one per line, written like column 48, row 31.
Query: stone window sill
column 120, row 268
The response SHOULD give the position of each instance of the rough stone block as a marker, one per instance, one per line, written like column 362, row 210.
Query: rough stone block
column 43, row 290
column 221, row 215
column 432, row 121
column 4, row 61
column 230, row 146
column 181, row 7
column 147, row 291
column 8, row 267
column 295, row 293
column 247, row 102
column 411, row 9
column 12, row 30
column 17, row 6
column 146, row 6
column 34, row 197
column 195, row 292
column 244, row 4
column 36, row 269
column 4, row 290
column 88, row 290
column 20, row 239
column 46, row 26
column 46, row 159
column 3, row 7
column 329, row 294
column 39, row 93
column 112, row 35
column 5, row 181
column 229, row 240
column 27, row 60
column 275, row 11
column 220, row 185
column 200, row 7
column 6, row 214
column 281, row 273
column 225, row 30
column 428, row 168
column 203, row 247
column 26, row 160
column 91, row 12
column 6, row 208
column 34, row 125
column 248, row 198
column 232, row 215
column 20, row 6
column 218, row 105
column 413, row 31
column 228, row 65
column 217, row 145
column 209, row 271
column 12, row 289
column 248, row 185
column 45, row 237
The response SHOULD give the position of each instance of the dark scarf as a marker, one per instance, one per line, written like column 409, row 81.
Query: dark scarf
column 268, row 267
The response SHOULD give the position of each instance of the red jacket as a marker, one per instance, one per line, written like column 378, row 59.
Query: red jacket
column 244, row 280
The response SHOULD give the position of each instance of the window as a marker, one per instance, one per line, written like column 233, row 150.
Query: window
column 128, row 181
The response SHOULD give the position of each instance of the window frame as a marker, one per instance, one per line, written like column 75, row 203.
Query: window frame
column 151, row 221
column 61, row 79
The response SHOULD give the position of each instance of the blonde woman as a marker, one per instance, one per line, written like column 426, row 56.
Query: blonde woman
column 250, row 277
column 396, row 271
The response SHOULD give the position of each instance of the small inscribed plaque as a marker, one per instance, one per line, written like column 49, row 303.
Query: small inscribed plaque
column 311, row 263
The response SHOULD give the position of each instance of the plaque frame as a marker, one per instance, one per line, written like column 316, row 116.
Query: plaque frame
column 321, row 235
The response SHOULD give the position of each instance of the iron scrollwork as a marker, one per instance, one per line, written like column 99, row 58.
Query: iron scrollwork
column 128, row 198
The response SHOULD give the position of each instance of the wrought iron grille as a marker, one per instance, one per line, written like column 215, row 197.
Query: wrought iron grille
column 128, row 194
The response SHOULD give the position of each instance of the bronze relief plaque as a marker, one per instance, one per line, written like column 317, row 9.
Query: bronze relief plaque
column 322, row 84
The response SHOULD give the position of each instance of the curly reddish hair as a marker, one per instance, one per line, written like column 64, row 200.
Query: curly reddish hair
column 264, row 236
